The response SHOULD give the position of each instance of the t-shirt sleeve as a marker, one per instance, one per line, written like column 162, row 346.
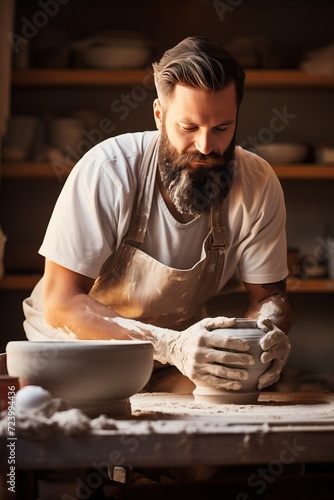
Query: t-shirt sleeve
column 264, row 258
column 82, row 232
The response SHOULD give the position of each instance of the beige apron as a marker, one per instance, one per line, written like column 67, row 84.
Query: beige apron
column 137, row 286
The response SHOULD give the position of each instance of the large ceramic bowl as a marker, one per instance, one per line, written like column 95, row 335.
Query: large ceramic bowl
column 95, row 376
column 112, row 53
column 283, row 152
column 249, row 393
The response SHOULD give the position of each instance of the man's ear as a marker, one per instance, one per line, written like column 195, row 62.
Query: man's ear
column 157, row 111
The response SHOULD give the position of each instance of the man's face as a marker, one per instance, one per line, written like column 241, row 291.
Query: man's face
column 197, row 129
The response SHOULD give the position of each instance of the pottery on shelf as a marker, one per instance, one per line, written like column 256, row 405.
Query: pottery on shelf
column 94, row 376
column 248, row 394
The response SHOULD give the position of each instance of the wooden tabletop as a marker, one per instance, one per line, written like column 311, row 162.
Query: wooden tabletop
column 171, row 430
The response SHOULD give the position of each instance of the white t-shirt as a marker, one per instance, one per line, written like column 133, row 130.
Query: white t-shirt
column 93, row 211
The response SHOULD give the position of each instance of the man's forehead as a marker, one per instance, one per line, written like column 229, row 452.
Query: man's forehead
column 188, row 101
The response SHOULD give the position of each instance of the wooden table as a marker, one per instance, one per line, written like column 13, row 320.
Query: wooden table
column 169, row 430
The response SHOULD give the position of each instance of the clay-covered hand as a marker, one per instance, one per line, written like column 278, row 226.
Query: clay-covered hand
column 276, row 347
column 200, row 352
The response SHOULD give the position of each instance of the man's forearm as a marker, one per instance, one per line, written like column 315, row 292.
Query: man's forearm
column 84, row 318
column 276, row 307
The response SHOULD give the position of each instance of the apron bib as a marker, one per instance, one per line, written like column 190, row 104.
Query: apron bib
column 137, row 286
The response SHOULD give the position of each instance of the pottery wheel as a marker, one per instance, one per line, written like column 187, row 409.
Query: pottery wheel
column 271, row 408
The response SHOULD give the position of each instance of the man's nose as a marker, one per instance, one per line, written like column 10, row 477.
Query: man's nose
column 204, row 143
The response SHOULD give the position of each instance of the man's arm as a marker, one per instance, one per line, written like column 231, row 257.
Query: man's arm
column 271, row 301
column 69, row 308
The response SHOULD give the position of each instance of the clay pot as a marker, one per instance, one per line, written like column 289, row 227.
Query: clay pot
column 94, row 376
column 249, row 393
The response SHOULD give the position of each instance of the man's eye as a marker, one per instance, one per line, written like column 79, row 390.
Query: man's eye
column 221, row 129
column 187, row 129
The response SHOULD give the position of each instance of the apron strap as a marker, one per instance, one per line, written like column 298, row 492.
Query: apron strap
column 142, row 205
column 218, row 229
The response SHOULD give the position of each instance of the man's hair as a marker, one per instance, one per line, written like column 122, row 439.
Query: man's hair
column 200, row 63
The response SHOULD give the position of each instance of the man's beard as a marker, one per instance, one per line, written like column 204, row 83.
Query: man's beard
column 195, row 190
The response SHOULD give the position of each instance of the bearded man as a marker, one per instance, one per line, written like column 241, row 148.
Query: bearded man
column 150, row 225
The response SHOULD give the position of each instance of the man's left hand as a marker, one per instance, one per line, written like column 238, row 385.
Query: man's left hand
column 276, row 347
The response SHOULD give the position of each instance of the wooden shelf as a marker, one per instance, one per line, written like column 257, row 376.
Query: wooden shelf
column 34, row 170
column 304, row 171
column 44, row 170
column 285, row 78
column 295, row 285
column 81, row 77
column 299, row 285
column 19, row 281
column 101, row 78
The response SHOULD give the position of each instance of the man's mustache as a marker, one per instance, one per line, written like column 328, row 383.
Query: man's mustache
column 210, row 159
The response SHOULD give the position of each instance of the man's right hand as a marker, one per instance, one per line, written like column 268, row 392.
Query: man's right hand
column 200, row 352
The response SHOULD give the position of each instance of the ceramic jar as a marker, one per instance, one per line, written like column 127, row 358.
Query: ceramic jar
column 66, row 134
column 249, row 393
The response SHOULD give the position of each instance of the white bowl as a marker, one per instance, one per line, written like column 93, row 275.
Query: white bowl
column 249, row 393
column 112, row 53
column 283, row 152
column 95, row 376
